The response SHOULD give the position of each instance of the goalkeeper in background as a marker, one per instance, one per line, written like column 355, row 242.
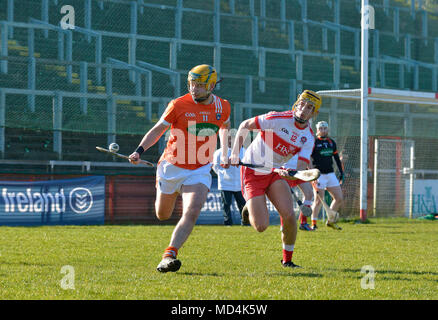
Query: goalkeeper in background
column 323, row 152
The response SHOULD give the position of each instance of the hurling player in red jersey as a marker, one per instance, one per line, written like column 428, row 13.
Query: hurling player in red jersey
column 282, row 135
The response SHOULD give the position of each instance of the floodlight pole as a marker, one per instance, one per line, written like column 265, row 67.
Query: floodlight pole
column 364, row 111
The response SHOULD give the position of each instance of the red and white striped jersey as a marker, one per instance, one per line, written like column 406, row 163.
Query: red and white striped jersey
column 278, row 141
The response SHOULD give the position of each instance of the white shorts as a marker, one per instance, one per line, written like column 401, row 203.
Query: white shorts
column 170, row 178
column 327, row 180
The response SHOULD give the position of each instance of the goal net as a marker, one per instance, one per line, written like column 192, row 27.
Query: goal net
column 402, row 141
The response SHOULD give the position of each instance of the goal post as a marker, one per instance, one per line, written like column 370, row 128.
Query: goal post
column 400, row 128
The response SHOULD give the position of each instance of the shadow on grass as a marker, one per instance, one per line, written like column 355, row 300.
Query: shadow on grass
column 388, row 274
column 24, row 263
column 201, row 274
column 286, row 273
column 414, row 273
column 356, row 221
column 296, row 274
column 376, row 226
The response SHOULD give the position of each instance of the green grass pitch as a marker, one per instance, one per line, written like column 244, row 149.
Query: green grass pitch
column 232, row 263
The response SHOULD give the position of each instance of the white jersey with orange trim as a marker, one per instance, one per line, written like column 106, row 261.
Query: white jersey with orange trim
column 279, row 140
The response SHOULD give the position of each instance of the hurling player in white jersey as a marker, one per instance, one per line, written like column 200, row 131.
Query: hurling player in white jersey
column 282, row 135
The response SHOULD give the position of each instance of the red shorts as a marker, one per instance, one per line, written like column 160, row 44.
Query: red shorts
column 253, row 184
column 294, row 183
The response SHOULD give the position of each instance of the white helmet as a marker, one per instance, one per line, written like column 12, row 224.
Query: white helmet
column 321, row 124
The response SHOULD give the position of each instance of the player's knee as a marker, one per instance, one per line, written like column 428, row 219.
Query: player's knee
column 293, row 221
column 308, row 196
column 338, row 197
column 260, row 227
column 163, row 213
column 193, row 209
column 289, row 220
column 161, row 218
column 191, row 212
column 190, row 217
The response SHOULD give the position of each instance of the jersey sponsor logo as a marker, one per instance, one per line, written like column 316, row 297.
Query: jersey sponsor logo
column 218, row 116
column 327, row 152
column 286, row 150
column 303, row 140
column 284, row 130
column 190, row 115
column 277, row 144
column 203, row 129
column 282, row 149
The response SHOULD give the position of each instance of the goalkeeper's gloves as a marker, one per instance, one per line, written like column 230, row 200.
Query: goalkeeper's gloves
column 341, row 177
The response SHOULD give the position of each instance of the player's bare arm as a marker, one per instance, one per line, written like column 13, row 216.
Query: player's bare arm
column 242, row 133
column 149, row 139
column 223, row 139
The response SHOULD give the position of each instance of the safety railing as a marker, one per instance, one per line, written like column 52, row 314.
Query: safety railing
column 58, row 97
column 297, row 56
column 218, row 44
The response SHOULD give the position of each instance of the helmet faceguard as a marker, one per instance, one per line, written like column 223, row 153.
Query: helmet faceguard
column 322, row 125
column 311, row 97
column 204, row 75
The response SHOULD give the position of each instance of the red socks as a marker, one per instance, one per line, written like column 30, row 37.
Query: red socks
column 170, row 252
column 288, row 251
column 303, row 219
column 287, row 255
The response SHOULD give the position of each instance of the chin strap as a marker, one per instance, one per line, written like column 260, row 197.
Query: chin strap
column 203, row 98
column 299, row 120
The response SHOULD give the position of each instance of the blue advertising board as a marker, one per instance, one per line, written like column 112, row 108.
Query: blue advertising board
column 78, row 201
column 212, row 211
